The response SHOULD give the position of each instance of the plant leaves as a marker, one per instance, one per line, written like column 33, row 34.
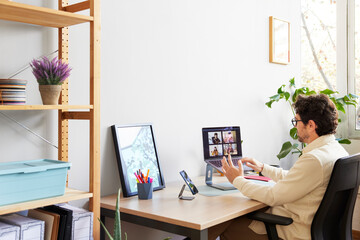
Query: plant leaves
column 292, row 82
column 269, row 103
column 344, row 141
column 275, row 97
column 328, row 92
column 106, row 231
column 117, row 223
column 293, row 133
column 287, row 95
column 281, row 90
column 340, row 107
column 285, row 150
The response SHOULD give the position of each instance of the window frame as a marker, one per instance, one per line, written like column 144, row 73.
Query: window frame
column 352, row 132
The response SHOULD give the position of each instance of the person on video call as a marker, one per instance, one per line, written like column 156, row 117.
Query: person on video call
column 228, row 138
column 301, row 189
column 215, row 152
column 215, row 139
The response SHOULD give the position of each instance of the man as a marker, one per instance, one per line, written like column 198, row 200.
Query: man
column 298, row 192
column 216, row 139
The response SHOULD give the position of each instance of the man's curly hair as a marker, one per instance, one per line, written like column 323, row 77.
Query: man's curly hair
column 320, row 109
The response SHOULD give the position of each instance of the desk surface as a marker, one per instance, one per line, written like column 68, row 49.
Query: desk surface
column 201, row 213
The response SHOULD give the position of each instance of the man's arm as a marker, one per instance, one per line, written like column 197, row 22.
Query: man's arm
column 276, row 174
column 304, row 177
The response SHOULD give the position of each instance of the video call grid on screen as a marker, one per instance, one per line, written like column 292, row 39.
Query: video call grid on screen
column 218, row 142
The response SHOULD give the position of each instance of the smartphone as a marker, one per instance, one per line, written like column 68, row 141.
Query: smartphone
column 188, row 182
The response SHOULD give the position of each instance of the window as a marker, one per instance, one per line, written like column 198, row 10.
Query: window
column 318, row 44
column 330, row 51
column 354, row 63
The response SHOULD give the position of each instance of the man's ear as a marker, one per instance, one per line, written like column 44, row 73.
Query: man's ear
column 312, row 124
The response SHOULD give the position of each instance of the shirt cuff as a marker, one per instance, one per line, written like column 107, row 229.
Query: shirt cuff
column 239, row 181
column 265, row 169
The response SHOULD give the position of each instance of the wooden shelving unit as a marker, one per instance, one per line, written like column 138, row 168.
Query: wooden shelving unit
column 70, row 195
column 62, row 18
column 44, row 107
column 19, row 12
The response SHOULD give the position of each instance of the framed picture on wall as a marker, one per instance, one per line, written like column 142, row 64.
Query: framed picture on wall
column 279, row 41
column 135, row 149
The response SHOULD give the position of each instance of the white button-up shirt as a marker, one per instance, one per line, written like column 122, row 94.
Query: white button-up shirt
column 298, row 192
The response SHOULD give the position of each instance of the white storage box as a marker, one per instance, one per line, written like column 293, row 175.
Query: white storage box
column 9, row 232
column 82, row 225
column 30, row 229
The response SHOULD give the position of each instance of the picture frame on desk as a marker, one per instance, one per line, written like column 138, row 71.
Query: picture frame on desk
column 279, row 41
column 135, row 150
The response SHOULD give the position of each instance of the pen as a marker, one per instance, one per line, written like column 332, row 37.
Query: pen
column 147, row 175
column 138, row 179
column 143, row 177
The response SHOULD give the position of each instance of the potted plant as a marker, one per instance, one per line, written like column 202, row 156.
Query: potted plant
column 50, row 75
column 290, row 97
column 117, row 224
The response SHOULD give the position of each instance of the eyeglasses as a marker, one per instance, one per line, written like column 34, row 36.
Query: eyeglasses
column 294, row 121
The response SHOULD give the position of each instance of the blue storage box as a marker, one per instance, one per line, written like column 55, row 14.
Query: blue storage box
column 31, row 180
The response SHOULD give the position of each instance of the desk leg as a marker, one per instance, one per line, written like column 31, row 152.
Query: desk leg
column 105, row 213
column 199, row 235
column 102, row 230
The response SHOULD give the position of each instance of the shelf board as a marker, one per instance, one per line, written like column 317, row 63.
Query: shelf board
column 19, row 12
column 44, row 107
column 70, row 195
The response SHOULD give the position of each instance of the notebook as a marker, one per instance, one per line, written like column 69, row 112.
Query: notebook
column 222, row 141
column 51, row 220
column 65, row 224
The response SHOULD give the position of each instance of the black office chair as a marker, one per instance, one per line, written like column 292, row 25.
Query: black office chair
column 333, row 219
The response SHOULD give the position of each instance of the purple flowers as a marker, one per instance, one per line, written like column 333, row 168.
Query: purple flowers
column 50, row 73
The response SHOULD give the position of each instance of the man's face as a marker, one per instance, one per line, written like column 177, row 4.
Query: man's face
column 302, row 130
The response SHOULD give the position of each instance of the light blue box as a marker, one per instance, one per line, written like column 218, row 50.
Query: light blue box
column 31, row 180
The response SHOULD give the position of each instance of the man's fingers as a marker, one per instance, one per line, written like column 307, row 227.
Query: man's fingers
column 224, row 162
column 230, row 160
column 240, row 166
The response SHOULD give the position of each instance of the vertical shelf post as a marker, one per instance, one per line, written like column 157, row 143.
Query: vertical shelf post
column 94, row 203
column 63, row 124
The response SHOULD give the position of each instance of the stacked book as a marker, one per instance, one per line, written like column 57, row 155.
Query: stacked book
column 12, row 91
column 55, row 222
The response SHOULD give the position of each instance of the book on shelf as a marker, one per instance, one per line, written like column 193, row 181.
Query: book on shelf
column 65, row 221
column 52, row 221
column 29, row 228
column 9, row 232
column 82, row 223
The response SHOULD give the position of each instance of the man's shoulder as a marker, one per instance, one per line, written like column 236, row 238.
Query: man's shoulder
column 328, row 152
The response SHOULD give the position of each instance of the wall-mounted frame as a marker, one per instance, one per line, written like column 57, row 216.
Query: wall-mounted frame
column 135, row 149
column 279, row 41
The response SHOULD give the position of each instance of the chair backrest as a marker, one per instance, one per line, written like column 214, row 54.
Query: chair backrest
column 333, row 219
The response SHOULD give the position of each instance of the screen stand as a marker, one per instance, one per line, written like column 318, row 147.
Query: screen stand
column 184, row 197
column 208, row 180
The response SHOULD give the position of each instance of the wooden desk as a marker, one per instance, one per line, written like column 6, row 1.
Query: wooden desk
column 187, row 218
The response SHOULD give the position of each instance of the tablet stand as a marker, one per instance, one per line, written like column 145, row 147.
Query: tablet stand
column 184, row 197
column 208, row 180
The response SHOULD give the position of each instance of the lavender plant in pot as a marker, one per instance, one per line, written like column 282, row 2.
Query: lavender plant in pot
column 50, row 75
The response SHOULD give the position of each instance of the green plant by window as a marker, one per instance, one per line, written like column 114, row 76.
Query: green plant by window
column 290, row 97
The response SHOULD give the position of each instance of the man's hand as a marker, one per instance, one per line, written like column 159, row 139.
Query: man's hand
column 254, row 164
column 230, row 171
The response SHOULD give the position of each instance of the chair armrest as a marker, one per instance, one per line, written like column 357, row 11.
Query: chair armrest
column 270, row 218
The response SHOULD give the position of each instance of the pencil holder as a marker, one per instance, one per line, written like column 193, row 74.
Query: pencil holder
column 145, row 190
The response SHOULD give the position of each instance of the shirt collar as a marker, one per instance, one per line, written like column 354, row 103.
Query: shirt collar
column 320, row 141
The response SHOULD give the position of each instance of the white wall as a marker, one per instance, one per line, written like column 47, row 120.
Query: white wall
column 181, row 65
